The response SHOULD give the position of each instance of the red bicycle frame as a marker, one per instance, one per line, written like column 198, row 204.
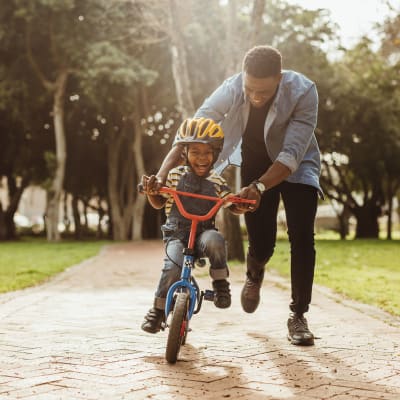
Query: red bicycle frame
column 199, row 218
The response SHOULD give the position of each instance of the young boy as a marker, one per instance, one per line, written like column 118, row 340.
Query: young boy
column 203, row 140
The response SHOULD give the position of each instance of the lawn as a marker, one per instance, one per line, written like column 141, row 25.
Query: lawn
column 363, row 270
column 26, row 263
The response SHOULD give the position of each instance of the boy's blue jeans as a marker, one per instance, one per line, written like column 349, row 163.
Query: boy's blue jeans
column 209, row 243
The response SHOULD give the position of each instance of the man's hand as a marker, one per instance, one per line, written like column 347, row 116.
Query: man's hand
column 249, row 192
column 151, row 184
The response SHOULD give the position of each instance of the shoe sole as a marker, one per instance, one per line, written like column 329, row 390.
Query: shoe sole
column 249, row 306
column 307, row 342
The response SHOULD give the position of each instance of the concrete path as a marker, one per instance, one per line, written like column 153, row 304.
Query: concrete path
column 78, row 337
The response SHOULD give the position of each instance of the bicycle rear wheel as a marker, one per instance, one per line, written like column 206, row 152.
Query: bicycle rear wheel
column 177, row 328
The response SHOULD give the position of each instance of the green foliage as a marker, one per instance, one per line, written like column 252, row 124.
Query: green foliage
column 112, row 63
column 359, row 123
column 116, row 50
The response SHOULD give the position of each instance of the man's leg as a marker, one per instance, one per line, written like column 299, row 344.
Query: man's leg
column 212, row 245
column 300, row 206
column 261, row 230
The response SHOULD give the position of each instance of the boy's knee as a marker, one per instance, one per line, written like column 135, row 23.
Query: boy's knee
column 213, row 243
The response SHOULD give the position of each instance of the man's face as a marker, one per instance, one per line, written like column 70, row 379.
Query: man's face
column 260, row 90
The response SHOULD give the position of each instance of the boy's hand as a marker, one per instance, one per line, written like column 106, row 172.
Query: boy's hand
column 151, row 184
column 251, row 193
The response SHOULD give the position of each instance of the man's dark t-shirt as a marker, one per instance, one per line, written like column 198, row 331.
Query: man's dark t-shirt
column 255, row 159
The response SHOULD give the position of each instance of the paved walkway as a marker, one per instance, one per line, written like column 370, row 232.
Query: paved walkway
column 78, row 337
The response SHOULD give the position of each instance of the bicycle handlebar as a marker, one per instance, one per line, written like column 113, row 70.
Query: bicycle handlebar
column 218, row 202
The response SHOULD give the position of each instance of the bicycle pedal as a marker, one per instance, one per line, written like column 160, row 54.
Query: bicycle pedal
column 209, row 295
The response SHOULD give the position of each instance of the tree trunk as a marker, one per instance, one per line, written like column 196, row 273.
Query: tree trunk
column 3, row 226
column 101, row 214
column 367, row 221
column 256, row 21
column 231, row 227
column 55, row 192
column 389, row 213
column 140, row 200
column 343, row 218
column 391, row 190
column 77, row 217
column 7, row 225
column 179, row 65
column 120, row 183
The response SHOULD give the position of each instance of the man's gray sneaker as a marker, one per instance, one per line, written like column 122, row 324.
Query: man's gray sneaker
column 299, row 334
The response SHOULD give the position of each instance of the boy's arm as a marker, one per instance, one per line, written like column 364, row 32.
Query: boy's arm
column 150, row 186
column 156, row 201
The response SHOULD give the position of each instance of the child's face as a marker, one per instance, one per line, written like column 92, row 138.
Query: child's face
column 200, row 157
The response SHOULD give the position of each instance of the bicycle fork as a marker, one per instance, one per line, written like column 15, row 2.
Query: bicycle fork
column 183, row 284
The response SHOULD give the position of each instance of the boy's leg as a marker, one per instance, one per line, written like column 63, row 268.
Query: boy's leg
column 261, row 229
column 211, row 244
column 171, row 273
column 300, row 206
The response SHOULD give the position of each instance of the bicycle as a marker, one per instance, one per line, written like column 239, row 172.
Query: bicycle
column 184, row 297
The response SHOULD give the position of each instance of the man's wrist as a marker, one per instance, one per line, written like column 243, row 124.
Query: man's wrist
column 259, row 186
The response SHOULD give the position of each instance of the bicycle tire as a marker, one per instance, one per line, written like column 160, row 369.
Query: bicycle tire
column 177, row 328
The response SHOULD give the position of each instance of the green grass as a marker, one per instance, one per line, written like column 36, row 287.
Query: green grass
column 27, row 263
column 363, row 270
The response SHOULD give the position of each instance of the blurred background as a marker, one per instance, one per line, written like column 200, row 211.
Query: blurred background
column 92, row 92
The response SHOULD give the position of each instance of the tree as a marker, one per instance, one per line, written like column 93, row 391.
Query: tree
column 358, row 137
column 23, row 138
column 87, row 40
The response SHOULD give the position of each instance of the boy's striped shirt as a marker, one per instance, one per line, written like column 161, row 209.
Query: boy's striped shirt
column 175, row 175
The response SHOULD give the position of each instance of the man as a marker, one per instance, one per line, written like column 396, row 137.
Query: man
column 269, row 116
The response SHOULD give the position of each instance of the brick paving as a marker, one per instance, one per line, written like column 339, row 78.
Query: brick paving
column 78, row 337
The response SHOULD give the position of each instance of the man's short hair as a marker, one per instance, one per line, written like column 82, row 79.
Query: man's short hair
column 262, row 62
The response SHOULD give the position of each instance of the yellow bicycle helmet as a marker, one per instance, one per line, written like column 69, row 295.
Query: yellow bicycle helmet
column 201, row 130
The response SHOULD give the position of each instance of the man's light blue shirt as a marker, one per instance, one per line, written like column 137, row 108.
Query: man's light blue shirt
column 289, row 127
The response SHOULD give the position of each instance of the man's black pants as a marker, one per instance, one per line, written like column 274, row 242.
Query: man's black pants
column 300, row 202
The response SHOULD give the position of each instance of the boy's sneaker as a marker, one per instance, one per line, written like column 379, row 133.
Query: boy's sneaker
column 222, row 293
column 153, row 320
column 299, row 334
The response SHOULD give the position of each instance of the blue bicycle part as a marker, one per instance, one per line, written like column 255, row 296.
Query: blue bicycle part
column 181, row 285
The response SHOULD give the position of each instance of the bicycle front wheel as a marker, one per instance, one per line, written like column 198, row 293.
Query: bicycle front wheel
column 177, row 328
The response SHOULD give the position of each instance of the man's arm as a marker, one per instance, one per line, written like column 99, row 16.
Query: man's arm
column 274, row 175
column 300, row 130
column 171, row 160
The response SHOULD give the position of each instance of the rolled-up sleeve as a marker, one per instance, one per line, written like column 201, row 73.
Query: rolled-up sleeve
column 300, row 130
column 216, row 105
